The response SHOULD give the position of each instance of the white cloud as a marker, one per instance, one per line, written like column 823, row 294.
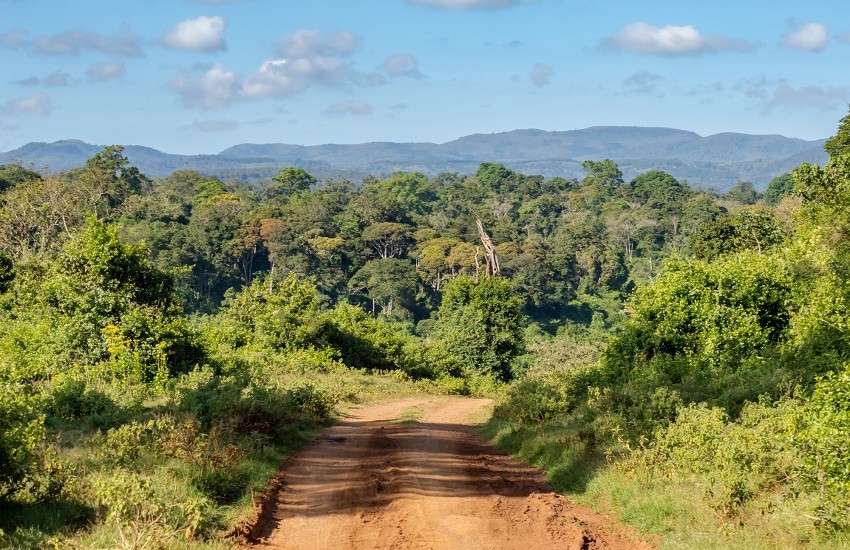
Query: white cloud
column 671, row 40
column 540, row 74
column 402, row 65
column 642, row 83
column 822, row 98
column 124, row 44
column 215, row 125
column 843, row 37
column 811, row 37
column 467, row 4
column 103, row 72
column 287, row 77
column 203, row 34
column 38, row 104
column 350, row 108
column 310, row 42
column 306, row 58
column 216, row 87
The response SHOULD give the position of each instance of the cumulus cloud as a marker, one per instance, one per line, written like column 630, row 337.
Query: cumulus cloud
column 810, row 37
column 287, row 77
column 38, row 104
column 203, row 34
column 312, row 43
column 467, row 4
column 304, row 59
column 670, row 40
column 350, row 108
column 540, row 74
column 215, row 86
column 402, row 65
column 642, row 83
column 215, row 125
column 56, row 78
column 103, row 72
column 124, row 44
column 822, row 98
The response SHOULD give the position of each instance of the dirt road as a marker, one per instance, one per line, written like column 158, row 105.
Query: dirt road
column 413, row 474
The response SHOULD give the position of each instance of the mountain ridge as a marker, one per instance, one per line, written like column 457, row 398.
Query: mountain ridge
column 714, row 161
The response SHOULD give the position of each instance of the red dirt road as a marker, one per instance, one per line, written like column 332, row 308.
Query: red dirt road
column 374, row 482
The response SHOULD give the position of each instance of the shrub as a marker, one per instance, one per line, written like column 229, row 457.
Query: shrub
column 734, row 461
column 72, row 400
column 21, row 437
column 362, row 340
column 825, row 450
column 141, row 516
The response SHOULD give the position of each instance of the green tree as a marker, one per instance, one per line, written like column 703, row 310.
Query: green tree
column 743, row 192
column 110, row 178
column 13, row 174
column 604, row 174
column 389, row 283
column 289, row 181
column 839, row 144
column 388, row 239
column 481, row 323
column 779, row 187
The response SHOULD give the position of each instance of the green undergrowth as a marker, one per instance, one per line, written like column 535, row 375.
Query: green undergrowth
column 673, row 510
column 176, row 468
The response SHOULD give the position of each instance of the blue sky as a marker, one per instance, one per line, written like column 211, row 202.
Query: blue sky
column 196, row 76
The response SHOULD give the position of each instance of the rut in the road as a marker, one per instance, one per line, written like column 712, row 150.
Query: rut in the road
column 370, row 482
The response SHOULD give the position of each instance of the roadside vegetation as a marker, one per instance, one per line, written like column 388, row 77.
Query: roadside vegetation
column 717, row 415
column 675, row 355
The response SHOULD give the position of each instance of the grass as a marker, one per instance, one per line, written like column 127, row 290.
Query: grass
column 410, row 415
column 76, row 520
column 674, row 512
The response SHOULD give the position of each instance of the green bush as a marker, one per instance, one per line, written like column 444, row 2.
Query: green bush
column 481, row 323
column 363, row 341
column 21, row 437
column 250, row 408
column 734, row 461
column 824, row 445
column 72, row 400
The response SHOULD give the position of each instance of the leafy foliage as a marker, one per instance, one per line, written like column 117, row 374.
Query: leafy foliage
column 481, row 323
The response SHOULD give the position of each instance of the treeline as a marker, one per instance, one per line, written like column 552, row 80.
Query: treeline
column 389, row 243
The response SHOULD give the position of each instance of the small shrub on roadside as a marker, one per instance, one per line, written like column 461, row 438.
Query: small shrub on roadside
column 21, row 437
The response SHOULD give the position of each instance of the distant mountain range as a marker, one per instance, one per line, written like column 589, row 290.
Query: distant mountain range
column 717, row 161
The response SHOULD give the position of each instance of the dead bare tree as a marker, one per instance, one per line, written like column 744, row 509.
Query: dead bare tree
column 492, row 258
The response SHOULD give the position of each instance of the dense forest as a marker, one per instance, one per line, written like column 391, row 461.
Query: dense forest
column 162, row 342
